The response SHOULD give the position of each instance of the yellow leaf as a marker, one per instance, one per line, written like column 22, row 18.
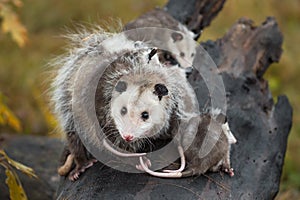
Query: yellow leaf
column 26, row 170
column 11, row 24
column 16, row 191
column 7, row 117
column 17, row 3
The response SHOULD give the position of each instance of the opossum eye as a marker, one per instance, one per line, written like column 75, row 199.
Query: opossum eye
column 181, row 54
column 121, row 86
column 170, row 59
column 160, row 90
column 192, row 55
column 123, row 111
column 145, row 115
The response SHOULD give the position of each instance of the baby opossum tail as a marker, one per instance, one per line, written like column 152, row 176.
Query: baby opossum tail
column 170, row 174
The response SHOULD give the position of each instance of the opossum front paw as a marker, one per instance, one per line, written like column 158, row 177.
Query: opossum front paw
column 147, row 162
column 229, row 171
column 74, row 174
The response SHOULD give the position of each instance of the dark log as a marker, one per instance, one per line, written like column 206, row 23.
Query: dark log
column 260, row 126
column 41, row 154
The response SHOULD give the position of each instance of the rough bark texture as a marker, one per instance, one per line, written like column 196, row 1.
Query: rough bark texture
column 260, row 125
column 40, row 153
column 195, row 14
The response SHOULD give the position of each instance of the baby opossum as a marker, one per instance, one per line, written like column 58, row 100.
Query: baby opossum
column 180, row 40
column 197, row 160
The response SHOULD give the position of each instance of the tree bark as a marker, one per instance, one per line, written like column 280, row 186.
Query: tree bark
column 195, row 14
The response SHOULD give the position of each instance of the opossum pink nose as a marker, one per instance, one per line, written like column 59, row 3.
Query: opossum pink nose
column 128, row 138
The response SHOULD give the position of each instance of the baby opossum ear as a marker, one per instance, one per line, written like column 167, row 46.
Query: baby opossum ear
column 121, row 86
column 176, row 36
column 160, row 90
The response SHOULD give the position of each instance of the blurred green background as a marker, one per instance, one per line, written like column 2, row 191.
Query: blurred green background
column 24, row 75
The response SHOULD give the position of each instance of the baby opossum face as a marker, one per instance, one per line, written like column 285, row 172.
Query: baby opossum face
column 183, row 50
column 138, row 109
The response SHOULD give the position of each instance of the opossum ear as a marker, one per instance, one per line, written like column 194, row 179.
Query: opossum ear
column 121, row 86
column 160, row 90
column 151, row 54
column 176, row 36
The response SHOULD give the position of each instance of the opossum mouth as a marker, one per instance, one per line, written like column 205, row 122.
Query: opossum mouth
column 133, row 139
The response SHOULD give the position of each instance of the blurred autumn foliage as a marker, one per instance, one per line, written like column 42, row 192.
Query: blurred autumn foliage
column 10, row 24
column 10, row 21
column 25, row 77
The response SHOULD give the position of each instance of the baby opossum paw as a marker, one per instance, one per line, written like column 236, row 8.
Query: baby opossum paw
column 229, row 171
column 74, row 174
column 147, row 163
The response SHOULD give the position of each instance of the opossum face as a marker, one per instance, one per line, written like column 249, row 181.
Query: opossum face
column 138, row 110
column 183, row 50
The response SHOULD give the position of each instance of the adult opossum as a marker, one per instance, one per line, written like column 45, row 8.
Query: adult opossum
column 138, row 99
column 156, row 95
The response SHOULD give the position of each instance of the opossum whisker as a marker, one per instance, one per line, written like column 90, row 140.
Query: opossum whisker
column 108, row 123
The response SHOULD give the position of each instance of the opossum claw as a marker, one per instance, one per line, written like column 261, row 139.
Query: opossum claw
column 74, row 174
column 112, row 150
column 229, row 171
